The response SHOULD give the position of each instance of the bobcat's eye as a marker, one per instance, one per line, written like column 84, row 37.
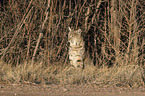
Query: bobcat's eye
column 71, row 36
column 79, row 60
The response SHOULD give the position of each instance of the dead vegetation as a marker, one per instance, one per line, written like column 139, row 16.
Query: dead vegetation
column 123, row 76
column 34, row 43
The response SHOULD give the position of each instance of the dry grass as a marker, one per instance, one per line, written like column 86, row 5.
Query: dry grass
column 126, row 76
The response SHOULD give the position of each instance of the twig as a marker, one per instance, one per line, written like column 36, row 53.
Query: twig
column 16, row 32
column 38, row 41
column 40, row 34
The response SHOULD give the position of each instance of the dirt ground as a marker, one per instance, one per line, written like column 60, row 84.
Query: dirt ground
column 67, row 90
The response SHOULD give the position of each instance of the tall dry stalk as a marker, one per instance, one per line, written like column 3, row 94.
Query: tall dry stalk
column 113, row 30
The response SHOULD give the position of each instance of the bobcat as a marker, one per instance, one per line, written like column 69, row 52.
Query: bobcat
column 76, row 48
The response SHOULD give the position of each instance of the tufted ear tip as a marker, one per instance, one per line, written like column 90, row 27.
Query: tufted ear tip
column 69, row 28
column 79, row 30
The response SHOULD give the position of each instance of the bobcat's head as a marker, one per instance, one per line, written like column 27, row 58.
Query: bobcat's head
column 74, row 33
column 74, row 36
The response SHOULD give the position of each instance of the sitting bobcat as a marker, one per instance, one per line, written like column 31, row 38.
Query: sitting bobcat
column 76, row 48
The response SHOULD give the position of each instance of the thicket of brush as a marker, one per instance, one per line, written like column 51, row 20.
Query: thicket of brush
column 36, row 31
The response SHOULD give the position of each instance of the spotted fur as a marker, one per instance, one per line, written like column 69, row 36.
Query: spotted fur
column 76, row 48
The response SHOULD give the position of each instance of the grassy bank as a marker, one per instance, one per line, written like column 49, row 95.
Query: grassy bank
column 125, row 76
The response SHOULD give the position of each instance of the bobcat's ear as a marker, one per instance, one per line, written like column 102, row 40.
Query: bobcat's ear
column 79, row 30
column 69, row 28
